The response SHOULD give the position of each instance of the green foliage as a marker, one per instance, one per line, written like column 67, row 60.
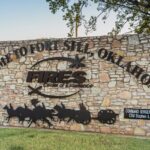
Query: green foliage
column 134, row 12
column 32, row 139
column 72, row 12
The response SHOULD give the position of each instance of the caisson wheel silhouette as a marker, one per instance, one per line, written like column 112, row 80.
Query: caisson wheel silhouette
column 107, row 116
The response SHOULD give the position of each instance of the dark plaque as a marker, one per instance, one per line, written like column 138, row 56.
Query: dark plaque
column 131, row 113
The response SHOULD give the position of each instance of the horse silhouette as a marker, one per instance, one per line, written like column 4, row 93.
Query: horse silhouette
column 11, row 112
column 22, row 113
column 82, row 116
column 41, row 113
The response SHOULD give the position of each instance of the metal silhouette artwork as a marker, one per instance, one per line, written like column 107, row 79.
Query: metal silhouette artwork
column 30, row 115
column 82, row 116
column 57, row 114
column 76, row 62
column 57, row 78
column 37, row 91
column 107, row 116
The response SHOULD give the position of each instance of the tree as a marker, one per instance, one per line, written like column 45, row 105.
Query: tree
column 135, row 12
column 72, row 12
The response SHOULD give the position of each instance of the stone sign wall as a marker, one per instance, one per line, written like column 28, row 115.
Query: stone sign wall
column 86, row 84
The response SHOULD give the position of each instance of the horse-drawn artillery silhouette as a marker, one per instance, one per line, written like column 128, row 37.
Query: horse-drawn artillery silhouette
column 58, row 113
column 20, row 112
column 24, row 113
column 82, row 116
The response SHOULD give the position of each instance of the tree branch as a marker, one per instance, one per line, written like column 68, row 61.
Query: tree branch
column 138, row 3
column 126, row 6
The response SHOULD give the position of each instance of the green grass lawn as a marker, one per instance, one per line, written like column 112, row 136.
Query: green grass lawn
column 34, row 139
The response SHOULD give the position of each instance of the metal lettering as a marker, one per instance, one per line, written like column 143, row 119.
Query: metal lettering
column 102, row 53
column 23, row 51
column 137, row 71
column 111, row 57
column 145, row 79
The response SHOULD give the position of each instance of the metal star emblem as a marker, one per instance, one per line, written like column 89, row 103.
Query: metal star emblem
column 77, row 62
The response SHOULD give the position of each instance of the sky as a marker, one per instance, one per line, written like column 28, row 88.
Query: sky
column 32, row 19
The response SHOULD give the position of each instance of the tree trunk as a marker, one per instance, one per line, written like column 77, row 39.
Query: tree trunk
column 76, row 27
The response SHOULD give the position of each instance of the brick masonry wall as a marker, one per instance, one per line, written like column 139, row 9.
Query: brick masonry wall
column 113, row 87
